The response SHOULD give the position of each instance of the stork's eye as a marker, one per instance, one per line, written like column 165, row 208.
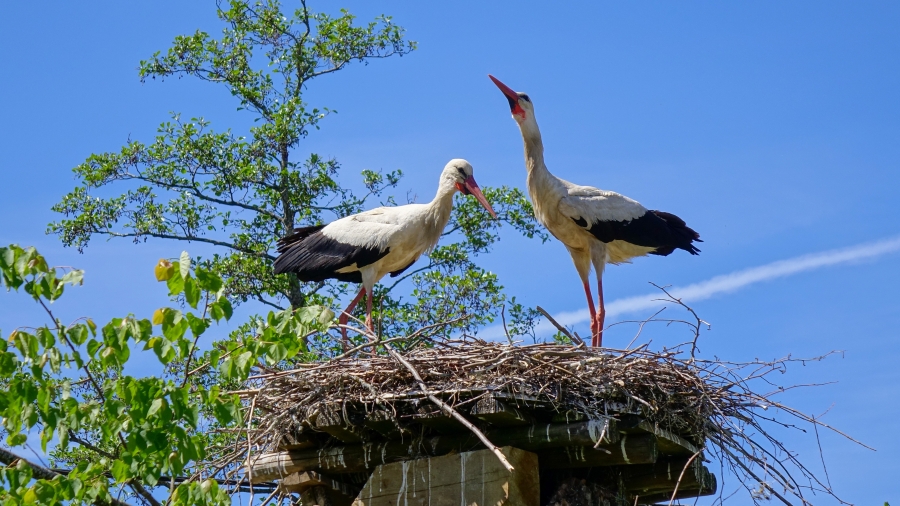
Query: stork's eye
column 525, row 97
column 462, row 173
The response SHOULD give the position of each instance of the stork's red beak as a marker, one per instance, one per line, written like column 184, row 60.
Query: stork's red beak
column 470, row 187
column 511, row 96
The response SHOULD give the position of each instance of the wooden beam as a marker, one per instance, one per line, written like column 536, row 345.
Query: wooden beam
column 502, row 414
column 554, row 435
column 432, row 417
column 337, row 492
column 630, row 450
column 669, row 442
column 662, row 477
column 569, row 416
column 359, row 458
column 337, row 422
column 664, row 498
column 384, row 422
column 297, row 440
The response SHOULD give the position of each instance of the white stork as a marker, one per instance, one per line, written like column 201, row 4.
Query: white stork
column 596, row 226
column 362, row 248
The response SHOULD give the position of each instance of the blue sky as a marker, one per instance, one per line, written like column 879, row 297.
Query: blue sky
column 772, row 128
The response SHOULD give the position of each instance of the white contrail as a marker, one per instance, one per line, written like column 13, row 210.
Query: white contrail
column 733, row 281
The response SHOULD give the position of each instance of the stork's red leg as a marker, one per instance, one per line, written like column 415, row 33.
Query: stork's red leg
column 601, row 316
column 369, row 312
column 590, row 299
column 345, row 317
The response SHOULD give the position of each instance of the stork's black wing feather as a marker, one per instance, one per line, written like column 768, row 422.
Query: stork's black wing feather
column 653, row 229
column 313, row 256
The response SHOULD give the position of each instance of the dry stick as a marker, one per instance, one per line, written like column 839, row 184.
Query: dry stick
column 351, row 351
column 269, row 498
column 250, row 446
column 680, row 476
column 736, row 460
column 600, row 439
column 641, row 327
column 187, row 363
column 207, row 364
column 700, row 321
column 449, row 410
column 329, row 363
column 559, row 327
column 802, row 416
column 503, row 317
column 821, row 454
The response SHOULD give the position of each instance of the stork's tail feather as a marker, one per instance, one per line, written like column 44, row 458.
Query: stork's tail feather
column 683, row 235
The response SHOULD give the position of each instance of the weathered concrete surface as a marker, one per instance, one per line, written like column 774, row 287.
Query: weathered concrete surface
column 464, row 479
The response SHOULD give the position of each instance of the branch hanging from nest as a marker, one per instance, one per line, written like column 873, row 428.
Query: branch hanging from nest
column 449, row 410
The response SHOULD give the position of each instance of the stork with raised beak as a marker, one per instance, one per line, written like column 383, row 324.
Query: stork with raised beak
column 596, row 226
column 363, row 248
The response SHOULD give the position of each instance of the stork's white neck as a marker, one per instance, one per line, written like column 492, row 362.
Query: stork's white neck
column 440, row 207
column 539, row 177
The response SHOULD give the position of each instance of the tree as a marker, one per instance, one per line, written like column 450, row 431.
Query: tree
column 121, row 437
column 243, row 193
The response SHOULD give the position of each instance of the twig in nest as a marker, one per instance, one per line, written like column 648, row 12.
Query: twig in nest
column 575, row 339
column 449, row 410
column 696, row 327
column 503, row 317
column 681, row 476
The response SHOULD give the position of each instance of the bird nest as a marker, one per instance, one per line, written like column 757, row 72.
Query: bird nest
column 554, row 378
column 711, row 407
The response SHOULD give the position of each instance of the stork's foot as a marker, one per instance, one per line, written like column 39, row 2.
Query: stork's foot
column 596, row 333
column 597, row 329
column 345, row 341
column 371, row 330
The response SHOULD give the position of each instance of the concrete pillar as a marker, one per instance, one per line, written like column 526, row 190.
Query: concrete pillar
column 464, row 479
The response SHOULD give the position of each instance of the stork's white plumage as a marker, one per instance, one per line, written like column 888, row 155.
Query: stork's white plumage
column 596, row 226
column 363, row 248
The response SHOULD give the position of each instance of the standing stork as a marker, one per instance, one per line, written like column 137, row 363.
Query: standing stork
column 596, row 226
column 362, row 248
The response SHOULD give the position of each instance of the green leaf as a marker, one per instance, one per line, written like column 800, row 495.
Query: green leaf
column 198, row 325
column 175, row 283
column 208, row 280
column 163, row 349
column 276, row 353
column 155, row 406
column 120, row 471
column 73, row 277
column 216, row 312
column 30, row 497
column 92, row 347
column 78, row 334
column 226, row 411
column 175, row 326
column 222, row 309
column 16, row 439
column 191, row 292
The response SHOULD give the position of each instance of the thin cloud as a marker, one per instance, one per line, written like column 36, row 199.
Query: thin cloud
column 734, row 281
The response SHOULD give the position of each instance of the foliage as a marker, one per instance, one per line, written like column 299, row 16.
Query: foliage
column 117, row 433
column 242, row 193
